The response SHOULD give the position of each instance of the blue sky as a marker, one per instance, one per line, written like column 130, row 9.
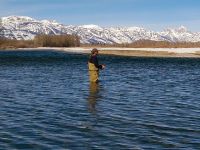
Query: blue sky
column 151, row 14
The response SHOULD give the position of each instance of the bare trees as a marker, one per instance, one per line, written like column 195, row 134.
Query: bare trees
column 57, row 41
column 74, row 41
column 148, row 44
column 42, row 41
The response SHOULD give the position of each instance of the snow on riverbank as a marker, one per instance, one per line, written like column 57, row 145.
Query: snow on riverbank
column 146, row 52
column 170, row 50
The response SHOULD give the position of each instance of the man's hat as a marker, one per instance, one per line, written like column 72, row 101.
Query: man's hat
column 94, row 50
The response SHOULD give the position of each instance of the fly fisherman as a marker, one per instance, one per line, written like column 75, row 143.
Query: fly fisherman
column 93, row 66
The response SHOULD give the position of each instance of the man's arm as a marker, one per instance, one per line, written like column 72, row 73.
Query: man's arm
column 96, row 63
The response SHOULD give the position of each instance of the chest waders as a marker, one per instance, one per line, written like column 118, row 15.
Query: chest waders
column 93, row 72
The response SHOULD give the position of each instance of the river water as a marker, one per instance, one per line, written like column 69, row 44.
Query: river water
column 47, row 102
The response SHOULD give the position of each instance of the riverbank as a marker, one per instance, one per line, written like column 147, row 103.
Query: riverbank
column 140, row 52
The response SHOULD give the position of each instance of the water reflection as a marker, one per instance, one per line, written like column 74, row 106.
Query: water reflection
column 93, row 96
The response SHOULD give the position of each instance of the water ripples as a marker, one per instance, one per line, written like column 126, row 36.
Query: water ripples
column 140, row 103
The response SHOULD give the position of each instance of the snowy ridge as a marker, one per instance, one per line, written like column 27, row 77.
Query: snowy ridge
column 26, row 28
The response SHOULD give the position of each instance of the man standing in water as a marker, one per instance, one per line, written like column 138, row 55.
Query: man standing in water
column 93, row 66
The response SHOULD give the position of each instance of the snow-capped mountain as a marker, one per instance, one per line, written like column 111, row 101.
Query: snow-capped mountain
column 21, row 27
column 180, row 34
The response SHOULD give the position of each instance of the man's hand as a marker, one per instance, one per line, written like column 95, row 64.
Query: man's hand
column 103, row 66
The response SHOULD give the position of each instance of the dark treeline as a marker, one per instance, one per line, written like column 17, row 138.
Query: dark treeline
column 42, row 41
column 149, row 44
column 74, row 41
column 10, row 44
column 57, row 41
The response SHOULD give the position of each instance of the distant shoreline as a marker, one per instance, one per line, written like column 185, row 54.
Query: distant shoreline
column 139, row 52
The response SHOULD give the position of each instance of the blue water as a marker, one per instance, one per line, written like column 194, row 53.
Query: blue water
column 46, row 102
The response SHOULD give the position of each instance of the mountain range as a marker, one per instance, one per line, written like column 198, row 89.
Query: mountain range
column 26, row 28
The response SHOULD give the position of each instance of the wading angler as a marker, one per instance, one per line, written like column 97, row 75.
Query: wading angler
column 93, row 66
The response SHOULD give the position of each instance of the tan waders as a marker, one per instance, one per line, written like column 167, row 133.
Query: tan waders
column 93, row 72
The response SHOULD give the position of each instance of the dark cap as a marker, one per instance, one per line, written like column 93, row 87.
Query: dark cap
column 94, row 50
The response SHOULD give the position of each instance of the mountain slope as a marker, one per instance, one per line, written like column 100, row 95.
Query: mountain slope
column 26, row 28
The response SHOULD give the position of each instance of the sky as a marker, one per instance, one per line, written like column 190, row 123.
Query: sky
column 154, row 15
